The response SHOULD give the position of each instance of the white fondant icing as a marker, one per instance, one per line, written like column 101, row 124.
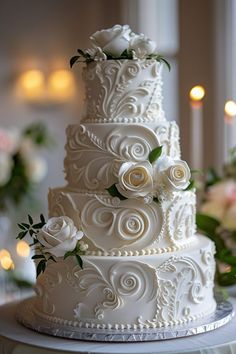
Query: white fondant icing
column 134, row 292
column 95, row 152
column 145, row 266
column 123, row 91
column 129, row 227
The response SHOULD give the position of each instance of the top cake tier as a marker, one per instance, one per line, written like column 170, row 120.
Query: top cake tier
column 123, row 91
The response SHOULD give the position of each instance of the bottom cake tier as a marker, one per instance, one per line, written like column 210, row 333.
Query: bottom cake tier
column 129, row 292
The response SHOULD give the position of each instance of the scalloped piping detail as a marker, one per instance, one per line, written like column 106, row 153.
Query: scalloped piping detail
column 143, row 252
column 123, row 120
column 121, row 326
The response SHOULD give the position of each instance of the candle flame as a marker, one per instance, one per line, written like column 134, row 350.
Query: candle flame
column 5, row 260
column 22, row 248
column 31, row 84
column 4, row 253
column 230, row 108
column 61, row 84
column 197, row 93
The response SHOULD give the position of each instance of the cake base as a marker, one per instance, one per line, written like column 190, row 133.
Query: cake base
column 223, row 314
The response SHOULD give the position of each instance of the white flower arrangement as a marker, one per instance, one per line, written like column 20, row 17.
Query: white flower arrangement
column 118, row 42
column 146, row 179
column 57, row 238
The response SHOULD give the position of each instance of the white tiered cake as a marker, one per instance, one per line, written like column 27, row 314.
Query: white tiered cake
column 145, row 266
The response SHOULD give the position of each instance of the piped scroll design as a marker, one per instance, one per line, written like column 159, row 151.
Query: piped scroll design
column 112, row 224
column 119, row 90
column 45, row 285
column 168, row 134
column 63, row 204
column 181, row 219
column 129, row 143
column 180, row 280
column 126, row 282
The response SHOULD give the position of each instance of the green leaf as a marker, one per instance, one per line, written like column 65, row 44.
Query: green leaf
column 80, row 51
column 207, row 223
column 27, row 226
column 113, row 191
column 31, row 232
column 52, row 258
column 155, row 154
column 166, row 62
column 22, row 227
column 79, row 260
column 38, row 256
column 190, row 186
column 22, row 234
column 69, row 253
column 227, row 278
column 41, row 267
column 73, row 60
column 35, row 241
column 38, row 226
column 30, row 219
column 231, row 260
column 42, row 218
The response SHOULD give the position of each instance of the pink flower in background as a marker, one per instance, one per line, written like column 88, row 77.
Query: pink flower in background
column 8, row 141
column 222, row 191
column 221, row 203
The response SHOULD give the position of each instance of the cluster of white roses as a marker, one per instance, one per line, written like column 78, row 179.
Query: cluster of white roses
column 59, row 235
column 114, row 41
column 145, row 178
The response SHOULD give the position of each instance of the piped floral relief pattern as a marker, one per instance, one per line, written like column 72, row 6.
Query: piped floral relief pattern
column 112, row 224
column 123, row 90
column 124, row 282
column 63, row 204
column 45, row 286
column 181, row 281
column 129, row 143
column 181, row 218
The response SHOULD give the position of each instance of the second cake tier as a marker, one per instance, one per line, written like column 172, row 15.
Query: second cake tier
column 128, row 227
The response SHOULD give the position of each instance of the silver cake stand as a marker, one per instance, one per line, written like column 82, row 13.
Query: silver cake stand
column 223, row 314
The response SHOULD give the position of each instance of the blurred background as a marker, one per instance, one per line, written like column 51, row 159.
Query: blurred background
column 40, row 95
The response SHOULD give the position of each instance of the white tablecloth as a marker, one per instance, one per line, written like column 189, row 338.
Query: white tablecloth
column 16, row 339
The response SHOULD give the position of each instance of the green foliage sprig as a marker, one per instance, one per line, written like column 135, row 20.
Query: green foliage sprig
column 38, row 133
column 31, row 228
column 85, row 57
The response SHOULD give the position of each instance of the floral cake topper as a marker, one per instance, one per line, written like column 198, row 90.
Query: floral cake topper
column 118, row 42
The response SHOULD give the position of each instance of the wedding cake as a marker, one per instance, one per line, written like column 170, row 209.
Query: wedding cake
column 129, row 194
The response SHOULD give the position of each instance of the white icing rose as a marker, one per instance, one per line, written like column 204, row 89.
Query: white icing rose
column 142, row 46
column 113, row 40
column 96, row 53
column 135, row 179
column 175, row 174
column 59, row 235
column 5, row 167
